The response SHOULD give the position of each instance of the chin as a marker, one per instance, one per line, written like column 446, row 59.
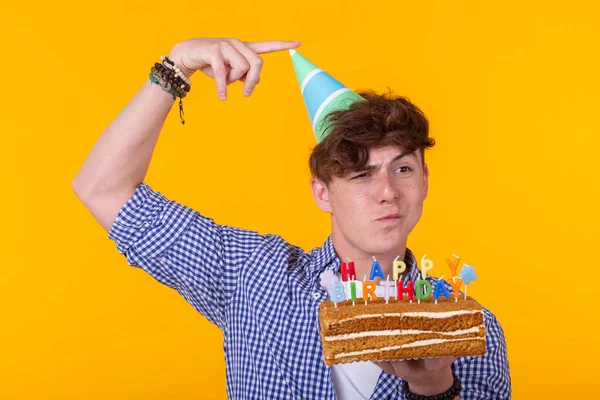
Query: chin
column 384, row 243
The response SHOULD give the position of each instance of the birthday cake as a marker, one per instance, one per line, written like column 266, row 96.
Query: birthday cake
column 423, row 320
column 400, row 330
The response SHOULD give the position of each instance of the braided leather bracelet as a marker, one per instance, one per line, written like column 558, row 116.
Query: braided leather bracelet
column 168, row 76
column 449, row 394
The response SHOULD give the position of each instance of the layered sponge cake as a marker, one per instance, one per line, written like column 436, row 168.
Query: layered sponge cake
column 401, row 329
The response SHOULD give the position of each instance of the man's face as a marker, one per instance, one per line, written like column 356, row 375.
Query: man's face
column 375, row 209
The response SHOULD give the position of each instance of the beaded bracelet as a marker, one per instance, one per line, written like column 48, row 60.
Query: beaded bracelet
column 174, row 82
column 166, row 86
column 169, row 77
column 171, row 64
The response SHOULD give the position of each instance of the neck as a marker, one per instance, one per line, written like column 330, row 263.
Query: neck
column 363, row 261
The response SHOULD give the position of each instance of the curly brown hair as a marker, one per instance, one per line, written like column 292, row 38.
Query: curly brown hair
column 380, row 120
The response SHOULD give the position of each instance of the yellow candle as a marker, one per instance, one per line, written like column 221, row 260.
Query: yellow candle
column 399, row 268
column 426, row 265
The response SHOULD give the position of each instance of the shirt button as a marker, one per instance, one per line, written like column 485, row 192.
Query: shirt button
column 317, row 295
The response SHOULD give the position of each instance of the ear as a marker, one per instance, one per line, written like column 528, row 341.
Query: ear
column 425, row 180
column 320, row 194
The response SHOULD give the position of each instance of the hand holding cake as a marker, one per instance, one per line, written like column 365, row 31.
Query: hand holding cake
column 425, row 377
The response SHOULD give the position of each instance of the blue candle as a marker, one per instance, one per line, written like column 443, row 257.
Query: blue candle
column 440, row 290
column 376, row 270
column 338, row 293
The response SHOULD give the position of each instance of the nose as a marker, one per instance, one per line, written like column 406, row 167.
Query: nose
column 386, row 192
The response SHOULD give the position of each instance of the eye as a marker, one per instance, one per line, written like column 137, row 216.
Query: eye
column 363, row 175
column 404, row 168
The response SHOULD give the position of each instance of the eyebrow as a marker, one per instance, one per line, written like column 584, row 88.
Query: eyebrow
column 373, row 167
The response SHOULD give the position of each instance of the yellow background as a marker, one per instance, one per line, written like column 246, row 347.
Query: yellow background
column 511, row 90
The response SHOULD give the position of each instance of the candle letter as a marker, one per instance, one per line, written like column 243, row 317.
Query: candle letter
column 455, row 283
column 350, row 267
column 399, row 268
column 426, row 265
column 369, row 289
column 423, row 284
column 440, row 290
column 453, row 264
column 387, row 285
column 376, row 270
column 344, row 271
column 338, row 292
column 400, row 290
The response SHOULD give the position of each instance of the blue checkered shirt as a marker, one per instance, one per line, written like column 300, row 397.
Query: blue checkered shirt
column 264, row 294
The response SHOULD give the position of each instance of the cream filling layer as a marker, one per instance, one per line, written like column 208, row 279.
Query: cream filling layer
column 443, row 314
column 402, row 346
column 394, row 332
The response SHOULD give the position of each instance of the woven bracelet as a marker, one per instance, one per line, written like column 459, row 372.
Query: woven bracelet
column 171, row 81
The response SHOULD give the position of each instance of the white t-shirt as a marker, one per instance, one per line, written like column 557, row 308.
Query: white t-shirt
column 355, row 381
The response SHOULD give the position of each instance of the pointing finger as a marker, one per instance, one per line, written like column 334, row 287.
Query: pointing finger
column 270, row 46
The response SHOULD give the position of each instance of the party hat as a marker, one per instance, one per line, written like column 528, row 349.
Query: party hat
column 322, row 93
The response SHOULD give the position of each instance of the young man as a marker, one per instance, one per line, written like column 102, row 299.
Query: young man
column 368, row 172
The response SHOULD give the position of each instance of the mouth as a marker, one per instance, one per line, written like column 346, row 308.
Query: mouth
column 389, row 219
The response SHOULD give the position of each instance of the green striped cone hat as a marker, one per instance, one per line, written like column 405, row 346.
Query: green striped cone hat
column 322, row 93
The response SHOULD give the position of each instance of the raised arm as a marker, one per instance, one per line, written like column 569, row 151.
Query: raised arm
column 119, row 160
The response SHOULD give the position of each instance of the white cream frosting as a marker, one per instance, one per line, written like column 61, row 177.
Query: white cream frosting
column 443, row 314
column 394, row 332
column 402, row 346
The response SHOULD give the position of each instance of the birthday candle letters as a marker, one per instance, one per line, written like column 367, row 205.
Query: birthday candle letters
column 421, row 289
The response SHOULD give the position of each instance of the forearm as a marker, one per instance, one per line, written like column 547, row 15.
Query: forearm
column 120, row 158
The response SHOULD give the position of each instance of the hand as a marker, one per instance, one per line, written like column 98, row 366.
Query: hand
column 226, row 60
column 427, row 377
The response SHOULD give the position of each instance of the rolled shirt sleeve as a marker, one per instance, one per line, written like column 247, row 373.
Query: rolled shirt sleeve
column 182, row 249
